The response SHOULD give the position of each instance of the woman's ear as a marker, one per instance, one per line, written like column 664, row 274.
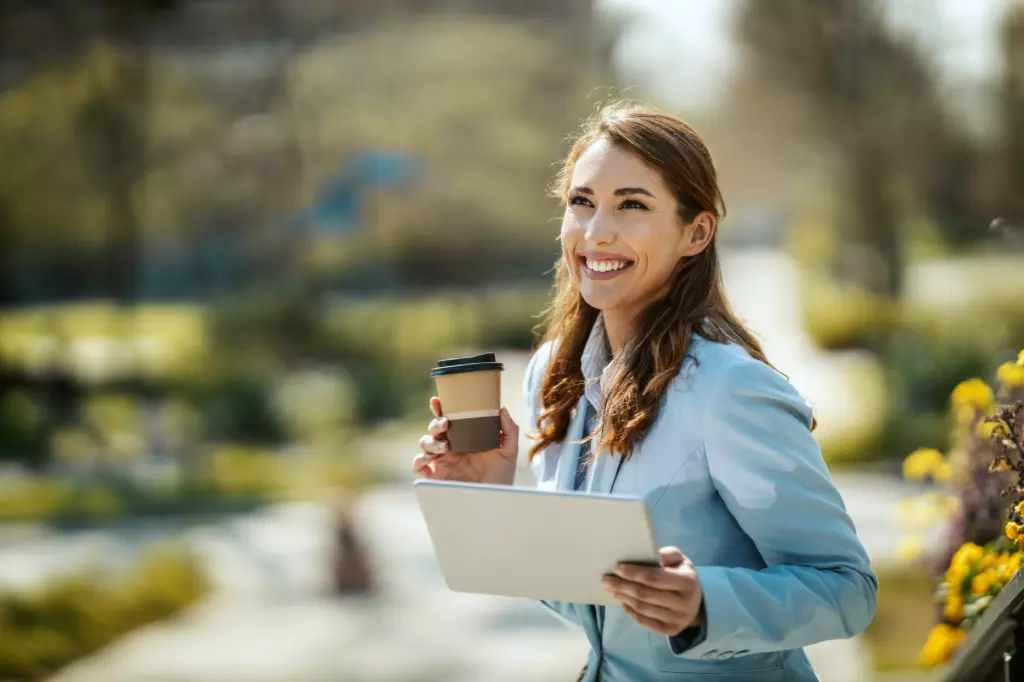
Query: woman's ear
column 699, row 233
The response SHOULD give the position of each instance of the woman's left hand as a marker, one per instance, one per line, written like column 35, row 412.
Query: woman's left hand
column 664, row 599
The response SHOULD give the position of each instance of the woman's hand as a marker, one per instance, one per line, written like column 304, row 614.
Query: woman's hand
column 664, row 599
column 491, row 466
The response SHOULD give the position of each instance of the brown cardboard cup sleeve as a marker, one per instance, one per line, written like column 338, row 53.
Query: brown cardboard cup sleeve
column 470, row 393
column 474, row 431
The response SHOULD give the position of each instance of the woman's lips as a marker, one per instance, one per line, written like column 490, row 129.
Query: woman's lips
column 604, row 268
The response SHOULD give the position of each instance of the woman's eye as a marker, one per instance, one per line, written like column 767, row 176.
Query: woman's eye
column 579, row 201
column 633, row 204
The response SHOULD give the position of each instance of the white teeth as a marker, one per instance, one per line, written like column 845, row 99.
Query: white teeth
column 606, row 265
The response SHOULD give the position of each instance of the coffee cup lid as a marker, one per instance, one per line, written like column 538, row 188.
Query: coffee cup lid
column 474, row 363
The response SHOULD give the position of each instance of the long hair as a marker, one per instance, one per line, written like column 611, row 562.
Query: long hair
column 694, row 303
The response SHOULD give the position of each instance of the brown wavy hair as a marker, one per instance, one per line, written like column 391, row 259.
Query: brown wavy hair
column 695, row 301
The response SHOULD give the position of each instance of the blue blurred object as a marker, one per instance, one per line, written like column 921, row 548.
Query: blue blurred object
column 337, row 208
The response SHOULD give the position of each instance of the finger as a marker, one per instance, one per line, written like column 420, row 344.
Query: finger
column 438, row 427
column 422, row 466
column 508, row 425
column 435, row 406
column 657, row 612
column 670, row 599
column 509, row 431
column 671, row 557
column 432, row 446
column 653, row 576
column 651, row 624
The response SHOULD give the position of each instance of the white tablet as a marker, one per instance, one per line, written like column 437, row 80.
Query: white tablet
column 523, row 542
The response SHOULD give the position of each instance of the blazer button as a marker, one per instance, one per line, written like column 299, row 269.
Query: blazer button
column 741, row 652
column 725, row 655
column 711, row 655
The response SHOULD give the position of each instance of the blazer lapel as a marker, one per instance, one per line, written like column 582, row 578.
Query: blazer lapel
column 565, row 472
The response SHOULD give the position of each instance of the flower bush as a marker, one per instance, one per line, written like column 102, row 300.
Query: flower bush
column 984, row 476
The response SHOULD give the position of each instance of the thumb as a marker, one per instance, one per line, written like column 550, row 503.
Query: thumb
column 671, row 557
column 508, row 426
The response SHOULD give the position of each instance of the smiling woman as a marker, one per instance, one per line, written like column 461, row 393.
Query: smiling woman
column 649, row 386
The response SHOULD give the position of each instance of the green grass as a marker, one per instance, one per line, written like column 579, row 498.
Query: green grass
column 904, row 615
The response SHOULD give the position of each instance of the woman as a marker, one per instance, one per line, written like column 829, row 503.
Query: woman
column 649, row 385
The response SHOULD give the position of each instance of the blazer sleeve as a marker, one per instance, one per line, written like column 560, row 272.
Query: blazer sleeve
column 767, row 467
column 535, row 369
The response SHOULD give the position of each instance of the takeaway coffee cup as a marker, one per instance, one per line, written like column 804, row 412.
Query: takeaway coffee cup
column 470, row 393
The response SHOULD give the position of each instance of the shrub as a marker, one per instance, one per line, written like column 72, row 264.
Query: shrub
column 44, row 629
column 841, row 316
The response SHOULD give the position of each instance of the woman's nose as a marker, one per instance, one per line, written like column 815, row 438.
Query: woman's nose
column 600, row 228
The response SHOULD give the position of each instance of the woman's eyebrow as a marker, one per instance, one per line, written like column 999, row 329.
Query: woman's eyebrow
column 622, row 191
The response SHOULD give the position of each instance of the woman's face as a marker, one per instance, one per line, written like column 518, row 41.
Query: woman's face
column 622, row 235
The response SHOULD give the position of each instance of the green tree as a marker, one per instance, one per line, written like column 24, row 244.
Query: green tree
column 1012, row 114
column 873, row 103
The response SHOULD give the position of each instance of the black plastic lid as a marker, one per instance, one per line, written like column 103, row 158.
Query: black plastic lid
column 474, row 363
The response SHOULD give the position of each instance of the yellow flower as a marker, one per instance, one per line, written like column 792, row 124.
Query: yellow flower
column 1011, row 374
column 954, row 611
column 942, row 643
column 968, row 554
column 924, row 462
column 942, row 472
column 1000, row 464
column 972, row 396
column 1012, row 530
column 1020, row 359
column 982, row 583
column 986, row 430
column 910, row 549
column 955, row 577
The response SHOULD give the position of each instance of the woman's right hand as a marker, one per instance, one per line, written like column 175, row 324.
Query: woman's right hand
column 490, row 466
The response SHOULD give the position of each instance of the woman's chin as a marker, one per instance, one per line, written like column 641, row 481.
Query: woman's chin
column 601, row 300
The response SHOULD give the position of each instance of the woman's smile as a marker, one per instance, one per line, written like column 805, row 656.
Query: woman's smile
column 601, row 266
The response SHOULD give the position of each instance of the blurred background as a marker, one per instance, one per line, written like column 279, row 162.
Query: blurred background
column 236, row 234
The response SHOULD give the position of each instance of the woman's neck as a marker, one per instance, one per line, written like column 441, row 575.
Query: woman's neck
column 618, row 328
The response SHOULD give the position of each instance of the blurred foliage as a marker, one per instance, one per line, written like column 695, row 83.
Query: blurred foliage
column 391, row 344
column 948, row 299
column 839, row 315
column 487, row 151
column 904, row 614
column 72, row 616
column 228, row 477
column 906, row 171
column 924, row 354
column 228, row 154
column 100, row 341
column 236, row 404
column 858, row 438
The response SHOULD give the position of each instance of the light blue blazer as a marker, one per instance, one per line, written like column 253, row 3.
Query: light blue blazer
column 735, row 479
